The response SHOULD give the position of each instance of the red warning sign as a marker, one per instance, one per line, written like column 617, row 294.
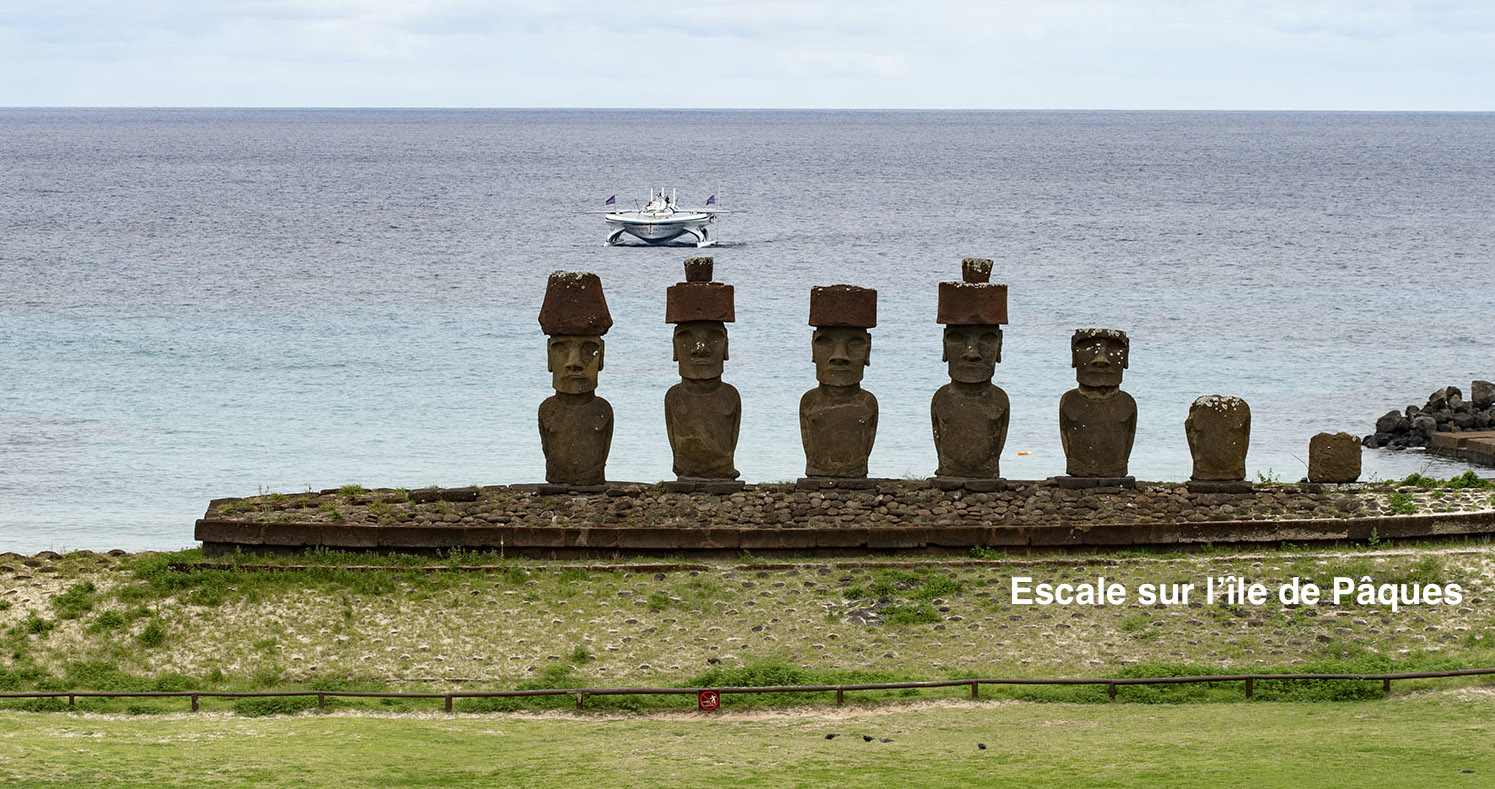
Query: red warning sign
column 709, row 700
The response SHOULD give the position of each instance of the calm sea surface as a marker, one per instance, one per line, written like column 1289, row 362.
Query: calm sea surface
column 205, row 303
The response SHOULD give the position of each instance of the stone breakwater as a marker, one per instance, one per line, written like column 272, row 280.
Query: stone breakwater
column 1446, row 411
column 893, row 503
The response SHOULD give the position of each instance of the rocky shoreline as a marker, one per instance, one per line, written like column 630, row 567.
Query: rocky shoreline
column 1446, row 411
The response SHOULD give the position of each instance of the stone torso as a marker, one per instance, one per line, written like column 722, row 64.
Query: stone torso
column 969, row 430
column 837, row 431
column 703, row 426
column 1097, row 433
column 576, row 433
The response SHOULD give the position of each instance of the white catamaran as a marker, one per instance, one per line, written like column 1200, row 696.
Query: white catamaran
column 661, row 220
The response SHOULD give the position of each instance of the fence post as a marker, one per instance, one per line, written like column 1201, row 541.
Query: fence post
column 840, row 696
column 448, row 702
column 70, row 701
column 975, row 690
column 1111, row 691
column 1249, row 687
column 579, row 697
column 1386, row 686
column 194, row 702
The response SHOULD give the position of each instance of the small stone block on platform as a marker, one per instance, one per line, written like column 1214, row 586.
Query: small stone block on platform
column 1067, row 482
column 840, row 483
column 1218, row 486
column 718, row 486
column 972, row 484
column 552, row 489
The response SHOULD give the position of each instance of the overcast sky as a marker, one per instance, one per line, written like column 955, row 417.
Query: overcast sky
column 1122, row 54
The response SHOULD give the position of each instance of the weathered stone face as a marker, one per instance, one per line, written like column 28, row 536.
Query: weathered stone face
column 574, row 362
column 700, row 348
column 1219, row 431
column 972, row 352
column 1099, row 356
column 1097, row 429
column 840, row 353
column 1333, row 457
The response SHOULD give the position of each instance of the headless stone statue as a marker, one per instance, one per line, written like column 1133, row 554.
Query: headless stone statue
column 1219, row 430
column 702, row 414
column 970, row 414
column 838, row 419
column 576, row 426
column 1097, row 421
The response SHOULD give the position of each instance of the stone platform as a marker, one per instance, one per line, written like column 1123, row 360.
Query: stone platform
column 1474, row 447
column 893, row 516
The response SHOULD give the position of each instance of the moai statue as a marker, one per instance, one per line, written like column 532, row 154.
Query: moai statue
column 576, row 426
column 1219, row 431
column 701, row 414
column 970, row 414
column 838, row 419
column 1097, row 421
column 1333, row 457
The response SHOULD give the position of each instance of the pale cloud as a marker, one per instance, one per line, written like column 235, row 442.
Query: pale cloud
column 1333, row 54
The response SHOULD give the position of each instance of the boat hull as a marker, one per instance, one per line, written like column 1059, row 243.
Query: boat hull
column 659, row 230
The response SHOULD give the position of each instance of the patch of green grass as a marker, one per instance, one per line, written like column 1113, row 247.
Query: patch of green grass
column 74, row 601
column 1401, row 503
column 351, row 490
column 152, row 635
column 910, row 614
column 1189, row 746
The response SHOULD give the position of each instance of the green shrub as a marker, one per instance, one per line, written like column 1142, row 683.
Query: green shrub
column 152, row 635
column 910, row 614
column 274, row 705
column 1401, row 503
column 74, row 601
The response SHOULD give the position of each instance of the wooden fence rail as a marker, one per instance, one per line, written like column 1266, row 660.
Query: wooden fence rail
column 580, row 694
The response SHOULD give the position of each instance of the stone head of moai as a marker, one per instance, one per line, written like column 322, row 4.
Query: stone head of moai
column 973, row 311
column 576, row 426
column 842, row 344
column 1219, row 431
column 1099, row 356
column 575, row 316
column 700, row 310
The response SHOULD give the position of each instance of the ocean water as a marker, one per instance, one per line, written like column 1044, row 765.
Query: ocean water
column 205, row 303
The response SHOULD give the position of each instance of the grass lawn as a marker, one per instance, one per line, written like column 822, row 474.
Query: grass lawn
column 1435, row 739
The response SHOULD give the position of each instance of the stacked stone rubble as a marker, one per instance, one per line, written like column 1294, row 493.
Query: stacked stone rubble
column 1446, row 411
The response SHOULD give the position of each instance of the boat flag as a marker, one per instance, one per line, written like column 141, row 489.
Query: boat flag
column 611, row 200
column 711, row 200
